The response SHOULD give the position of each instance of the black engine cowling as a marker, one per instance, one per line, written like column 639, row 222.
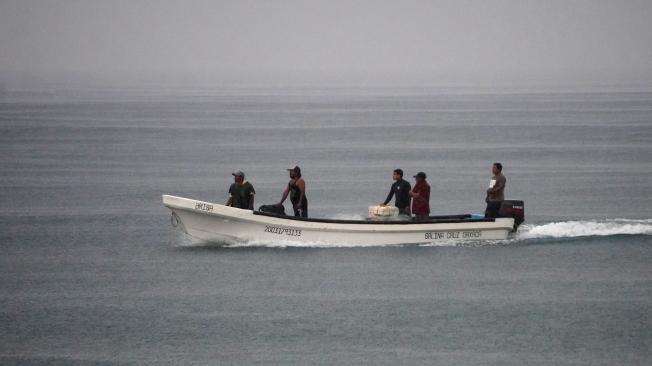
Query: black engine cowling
column 515, row 209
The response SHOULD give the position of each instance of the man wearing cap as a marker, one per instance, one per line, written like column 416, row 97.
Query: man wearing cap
column 420, row 197
column 296, row 188
column 242, row 192
column 401, row 188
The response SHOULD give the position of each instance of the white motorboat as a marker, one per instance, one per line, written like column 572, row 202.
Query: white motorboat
column 217, row 223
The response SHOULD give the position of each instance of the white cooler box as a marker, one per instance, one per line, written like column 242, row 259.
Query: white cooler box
column 380, row 212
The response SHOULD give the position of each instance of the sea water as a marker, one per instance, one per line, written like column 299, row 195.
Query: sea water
column 92, row 273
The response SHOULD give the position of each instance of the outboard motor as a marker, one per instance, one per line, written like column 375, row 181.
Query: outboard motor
column 273, row 209
column 515, row 209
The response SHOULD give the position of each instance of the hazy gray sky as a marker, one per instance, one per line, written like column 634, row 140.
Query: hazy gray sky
column 304, row 40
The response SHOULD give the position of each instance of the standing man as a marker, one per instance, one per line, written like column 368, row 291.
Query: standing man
column 496, row 191
column 401, row 188
column 420, row 197
column 242, row 192
column 296, row 188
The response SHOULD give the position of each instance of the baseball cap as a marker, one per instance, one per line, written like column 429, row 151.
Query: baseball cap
column 238, row 174
column 420, row 175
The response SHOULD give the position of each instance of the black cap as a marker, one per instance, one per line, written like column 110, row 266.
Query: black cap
column 238, row 174
column 420, row 175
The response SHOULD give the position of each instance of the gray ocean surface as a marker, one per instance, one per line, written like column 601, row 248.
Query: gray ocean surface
column 92, row 273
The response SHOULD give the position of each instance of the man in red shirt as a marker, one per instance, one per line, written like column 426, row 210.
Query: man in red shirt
column 420, row 197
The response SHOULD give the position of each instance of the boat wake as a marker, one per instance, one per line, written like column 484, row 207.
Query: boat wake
column 592, row 228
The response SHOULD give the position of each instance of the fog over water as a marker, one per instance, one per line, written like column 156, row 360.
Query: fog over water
column 294, row 41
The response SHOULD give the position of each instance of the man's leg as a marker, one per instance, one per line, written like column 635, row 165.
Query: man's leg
column 492, row 209
column 304, row 209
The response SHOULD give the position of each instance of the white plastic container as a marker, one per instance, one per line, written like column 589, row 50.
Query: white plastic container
column 379, row 211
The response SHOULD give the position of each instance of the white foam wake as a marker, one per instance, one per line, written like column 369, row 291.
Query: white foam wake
column 573, row 229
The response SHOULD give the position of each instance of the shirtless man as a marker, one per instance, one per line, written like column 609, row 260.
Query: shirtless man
column 296, row 188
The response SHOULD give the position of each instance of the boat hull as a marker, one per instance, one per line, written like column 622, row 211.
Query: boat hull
column 221, row 224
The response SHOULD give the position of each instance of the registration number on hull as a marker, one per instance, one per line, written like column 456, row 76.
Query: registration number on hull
column 203, row 206
column 282, row 231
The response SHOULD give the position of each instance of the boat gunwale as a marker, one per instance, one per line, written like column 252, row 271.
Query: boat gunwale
column 431, row 220
column 435, row 220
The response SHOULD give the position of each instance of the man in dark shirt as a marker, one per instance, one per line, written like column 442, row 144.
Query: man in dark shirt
column 242, row 192
column 496, row 191
column 401, row 188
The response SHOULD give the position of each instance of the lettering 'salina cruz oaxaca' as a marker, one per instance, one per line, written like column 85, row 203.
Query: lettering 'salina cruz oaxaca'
column 436, row 235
